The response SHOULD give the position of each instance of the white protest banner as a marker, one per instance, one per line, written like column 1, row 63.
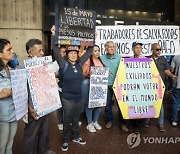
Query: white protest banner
column 124, row 36
column 98, row 87
column 19, row 91
column 37, row 61
column 43, row 89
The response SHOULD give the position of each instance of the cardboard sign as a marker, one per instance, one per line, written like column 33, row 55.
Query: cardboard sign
column 75, row 26
column 43, row 89
column 138, row 88
column 124, row 36
column 19, row 92
column 98, row 87
column 42, row 85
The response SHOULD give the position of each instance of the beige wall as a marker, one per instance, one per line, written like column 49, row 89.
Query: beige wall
column 18, row 39
column 20, row 20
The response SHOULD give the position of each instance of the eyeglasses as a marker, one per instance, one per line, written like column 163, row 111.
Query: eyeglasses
column 158, row 49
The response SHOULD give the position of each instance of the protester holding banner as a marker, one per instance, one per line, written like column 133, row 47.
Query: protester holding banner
column 71, row 79
column 138, row 124
column 111, row 60
column 8, row 123
column 137, row 50
column 92, row 114
column 175, row 67
column 163, row 68
column 36, row 135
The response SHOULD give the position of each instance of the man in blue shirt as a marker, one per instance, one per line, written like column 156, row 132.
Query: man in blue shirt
column 111, row 60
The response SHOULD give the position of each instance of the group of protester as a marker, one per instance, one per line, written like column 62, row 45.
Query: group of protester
column 74, row 75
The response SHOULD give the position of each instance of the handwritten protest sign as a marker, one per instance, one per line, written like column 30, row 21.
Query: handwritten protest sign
column 19, row 92
column 124, row 36
column 43, row 87
column 37, row 61
column 75, row 26
column 138, row 88
column 98, row 87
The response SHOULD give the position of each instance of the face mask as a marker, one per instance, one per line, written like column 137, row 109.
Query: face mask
column 13, row 63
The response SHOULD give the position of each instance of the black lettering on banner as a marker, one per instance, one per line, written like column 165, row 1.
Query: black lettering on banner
column 102, row 48
column 122, row 48
column 167, row 46
column 146, row 49
column 134, row 98
column 138, row 65
column 150, row 97
column 139, row 33
column 125, row 98
column 160, row 34
column 112, row 34
column 140, row 109
column 145, row 33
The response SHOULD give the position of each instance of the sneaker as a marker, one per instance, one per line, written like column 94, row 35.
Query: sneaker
column 80, row 123
column 109, row 125
column 60, row 126
column 80, row 141
column 91, row 128
column 97, row 126
column 124, row 128
column 64, row 147
column 161, row 128
column 174, row 123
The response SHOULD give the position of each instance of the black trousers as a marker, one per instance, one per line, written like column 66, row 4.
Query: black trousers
column 36, row 136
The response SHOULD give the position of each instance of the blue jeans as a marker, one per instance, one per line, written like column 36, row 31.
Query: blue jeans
column 72, row 112
column 161, row 116
column 92, row 114
column 108, row 108
column 176, row 103
column 7, row 133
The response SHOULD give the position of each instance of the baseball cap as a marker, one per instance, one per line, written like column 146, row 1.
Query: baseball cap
column 136, row 43
column 72, row 48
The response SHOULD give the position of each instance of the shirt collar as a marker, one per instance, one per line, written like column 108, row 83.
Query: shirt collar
column 114, row 56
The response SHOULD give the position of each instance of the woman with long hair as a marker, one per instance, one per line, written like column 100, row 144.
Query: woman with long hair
column 92, row 114
column 8, row 123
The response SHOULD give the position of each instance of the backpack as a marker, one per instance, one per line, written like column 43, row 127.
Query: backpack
column 61, row 73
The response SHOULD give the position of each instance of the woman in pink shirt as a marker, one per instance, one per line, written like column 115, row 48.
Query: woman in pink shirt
column 92, row 114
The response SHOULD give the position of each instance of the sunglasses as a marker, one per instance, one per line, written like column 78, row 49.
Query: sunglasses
column 158, row 49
